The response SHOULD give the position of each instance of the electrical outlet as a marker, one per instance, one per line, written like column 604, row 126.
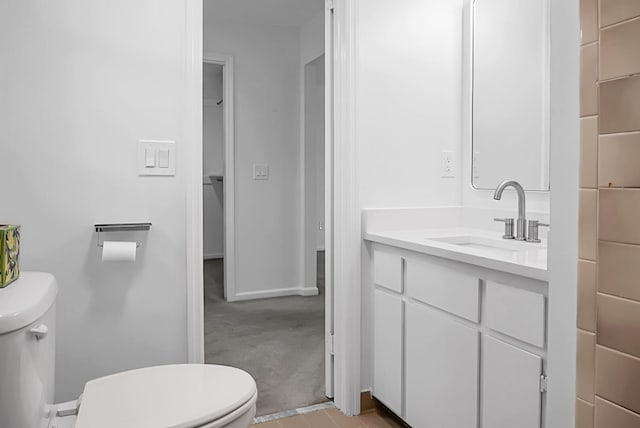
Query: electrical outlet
column 447, row 164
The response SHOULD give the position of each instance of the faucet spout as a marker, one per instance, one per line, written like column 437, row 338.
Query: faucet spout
column 522, row 208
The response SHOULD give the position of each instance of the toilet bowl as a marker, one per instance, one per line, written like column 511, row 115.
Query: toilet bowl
column 170, row 396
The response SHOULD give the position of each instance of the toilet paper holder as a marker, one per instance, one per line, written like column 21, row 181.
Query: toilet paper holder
column 120, row 227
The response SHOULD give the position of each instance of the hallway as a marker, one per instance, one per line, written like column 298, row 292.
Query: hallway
column 279, row 341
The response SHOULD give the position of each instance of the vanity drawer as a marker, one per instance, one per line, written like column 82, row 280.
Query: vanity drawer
column 387, row 270
column 444, row 288
column 515, row 312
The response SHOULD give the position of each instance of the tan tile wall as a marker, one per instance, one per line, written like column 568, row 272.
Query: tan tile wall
column 608, row 351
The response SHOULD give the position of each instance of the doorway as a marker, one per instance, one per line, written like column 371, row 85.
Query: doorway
column 263, row 199
column 342, row 239
column 213, row 162
column 218, row 167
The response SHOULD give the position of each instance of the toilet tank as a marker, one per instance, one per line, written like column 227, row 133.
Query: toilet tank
column 27, row 350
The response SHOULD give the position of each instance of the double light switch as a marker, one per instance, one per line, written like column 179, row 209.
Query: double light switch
column 156, row 157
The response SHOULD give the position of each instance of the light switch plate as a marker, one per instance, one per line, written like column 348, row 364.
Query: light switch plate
column 260, row 171
column 165, row 157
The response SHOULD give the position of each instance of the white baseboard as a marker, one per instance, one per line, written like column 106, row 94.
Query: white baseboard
column 278, row 292
column 211, row 256
column 308, row 291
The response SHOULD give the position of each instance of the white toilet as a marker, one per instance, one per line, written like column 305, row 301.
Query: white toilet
column 172, row 396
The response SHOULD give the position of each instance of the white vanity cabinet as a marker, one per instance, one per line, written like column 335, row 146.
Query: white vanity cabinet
column 388, row 327
column 511, row 388
column 388, row 349
column 457, row 345
column 441, row 370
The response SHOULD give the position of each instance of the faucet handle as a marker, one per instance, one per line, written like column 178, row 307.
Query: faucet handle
column 508, row 227
column 534, row 226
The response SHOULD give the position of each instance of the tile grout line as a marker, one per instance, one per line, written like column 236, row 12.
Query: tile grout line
column 618, row 133
column 615, row 24
column 613, row 296
column 613, row 403
column 624, row 354
column 614, row 79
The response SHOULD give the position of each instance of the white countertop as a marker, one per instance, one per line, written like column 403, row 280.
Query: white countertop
column 488, row 250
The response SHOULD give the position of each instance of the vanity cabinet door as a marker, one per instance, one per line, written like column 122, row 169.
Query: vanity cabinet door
column 515, row 312
column 387, row 270
column 511, row 386
column 387, row 352
column 442, row 365
column 444, row 287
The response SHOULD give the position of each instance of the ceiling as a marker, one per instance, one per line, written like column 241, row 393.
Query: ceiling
column 285, row 13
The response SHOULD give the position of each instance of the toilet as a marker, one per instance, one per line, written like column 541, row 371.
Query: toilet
column 171, row 396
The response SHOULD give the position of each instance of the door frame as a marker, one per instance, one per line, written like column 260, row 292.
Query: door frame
column 228, row 183
column 192, row 166
column 563, row 252
column 329, row 306
column 343, row 242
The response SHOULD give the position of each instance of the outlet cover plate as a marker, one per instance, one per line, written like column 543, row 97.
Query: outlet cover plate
column 447, row 165
column 260, row 171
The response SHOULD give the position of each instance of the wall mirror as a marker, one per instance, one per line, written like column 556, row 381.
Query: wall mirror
column 510, row 93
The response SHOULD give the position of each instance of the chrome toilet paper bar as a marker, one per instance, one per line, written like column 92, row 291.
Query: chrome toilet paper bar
column 121, row 227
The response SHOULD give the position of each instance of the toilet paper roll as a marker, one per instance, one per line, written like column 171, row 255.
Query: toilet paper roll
column 118, row 251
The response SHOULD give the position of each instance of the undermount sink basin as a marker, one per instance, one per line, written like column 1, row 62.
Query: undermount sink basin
column 503, row 246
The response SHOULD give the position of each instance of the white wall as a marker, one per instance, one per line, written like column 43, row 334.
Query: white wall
column 408, row 111
column 316, row 116
column 86, row 81
column 212, row 161
column 312, row 126
column 268, row 213
column 4, row 83
column 312, row 39
column 409, row 89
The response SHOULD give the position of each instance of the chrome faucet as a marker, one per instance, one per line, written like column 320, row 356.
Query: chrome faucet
column 521, row 225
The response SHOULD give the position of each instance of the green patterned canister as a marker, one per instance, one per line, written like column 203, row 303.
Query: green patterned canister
column 9, row 253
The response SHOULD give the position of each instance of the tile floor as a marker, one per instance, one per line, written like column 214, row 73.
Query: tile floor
column 333, row 418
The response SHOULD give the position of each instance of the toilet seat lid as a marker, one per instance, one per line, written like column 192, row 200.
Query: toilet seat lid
column 173, row 396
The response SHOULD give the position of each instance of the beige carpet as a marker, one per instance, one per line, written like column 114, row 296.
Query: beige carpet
column 279, row 341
